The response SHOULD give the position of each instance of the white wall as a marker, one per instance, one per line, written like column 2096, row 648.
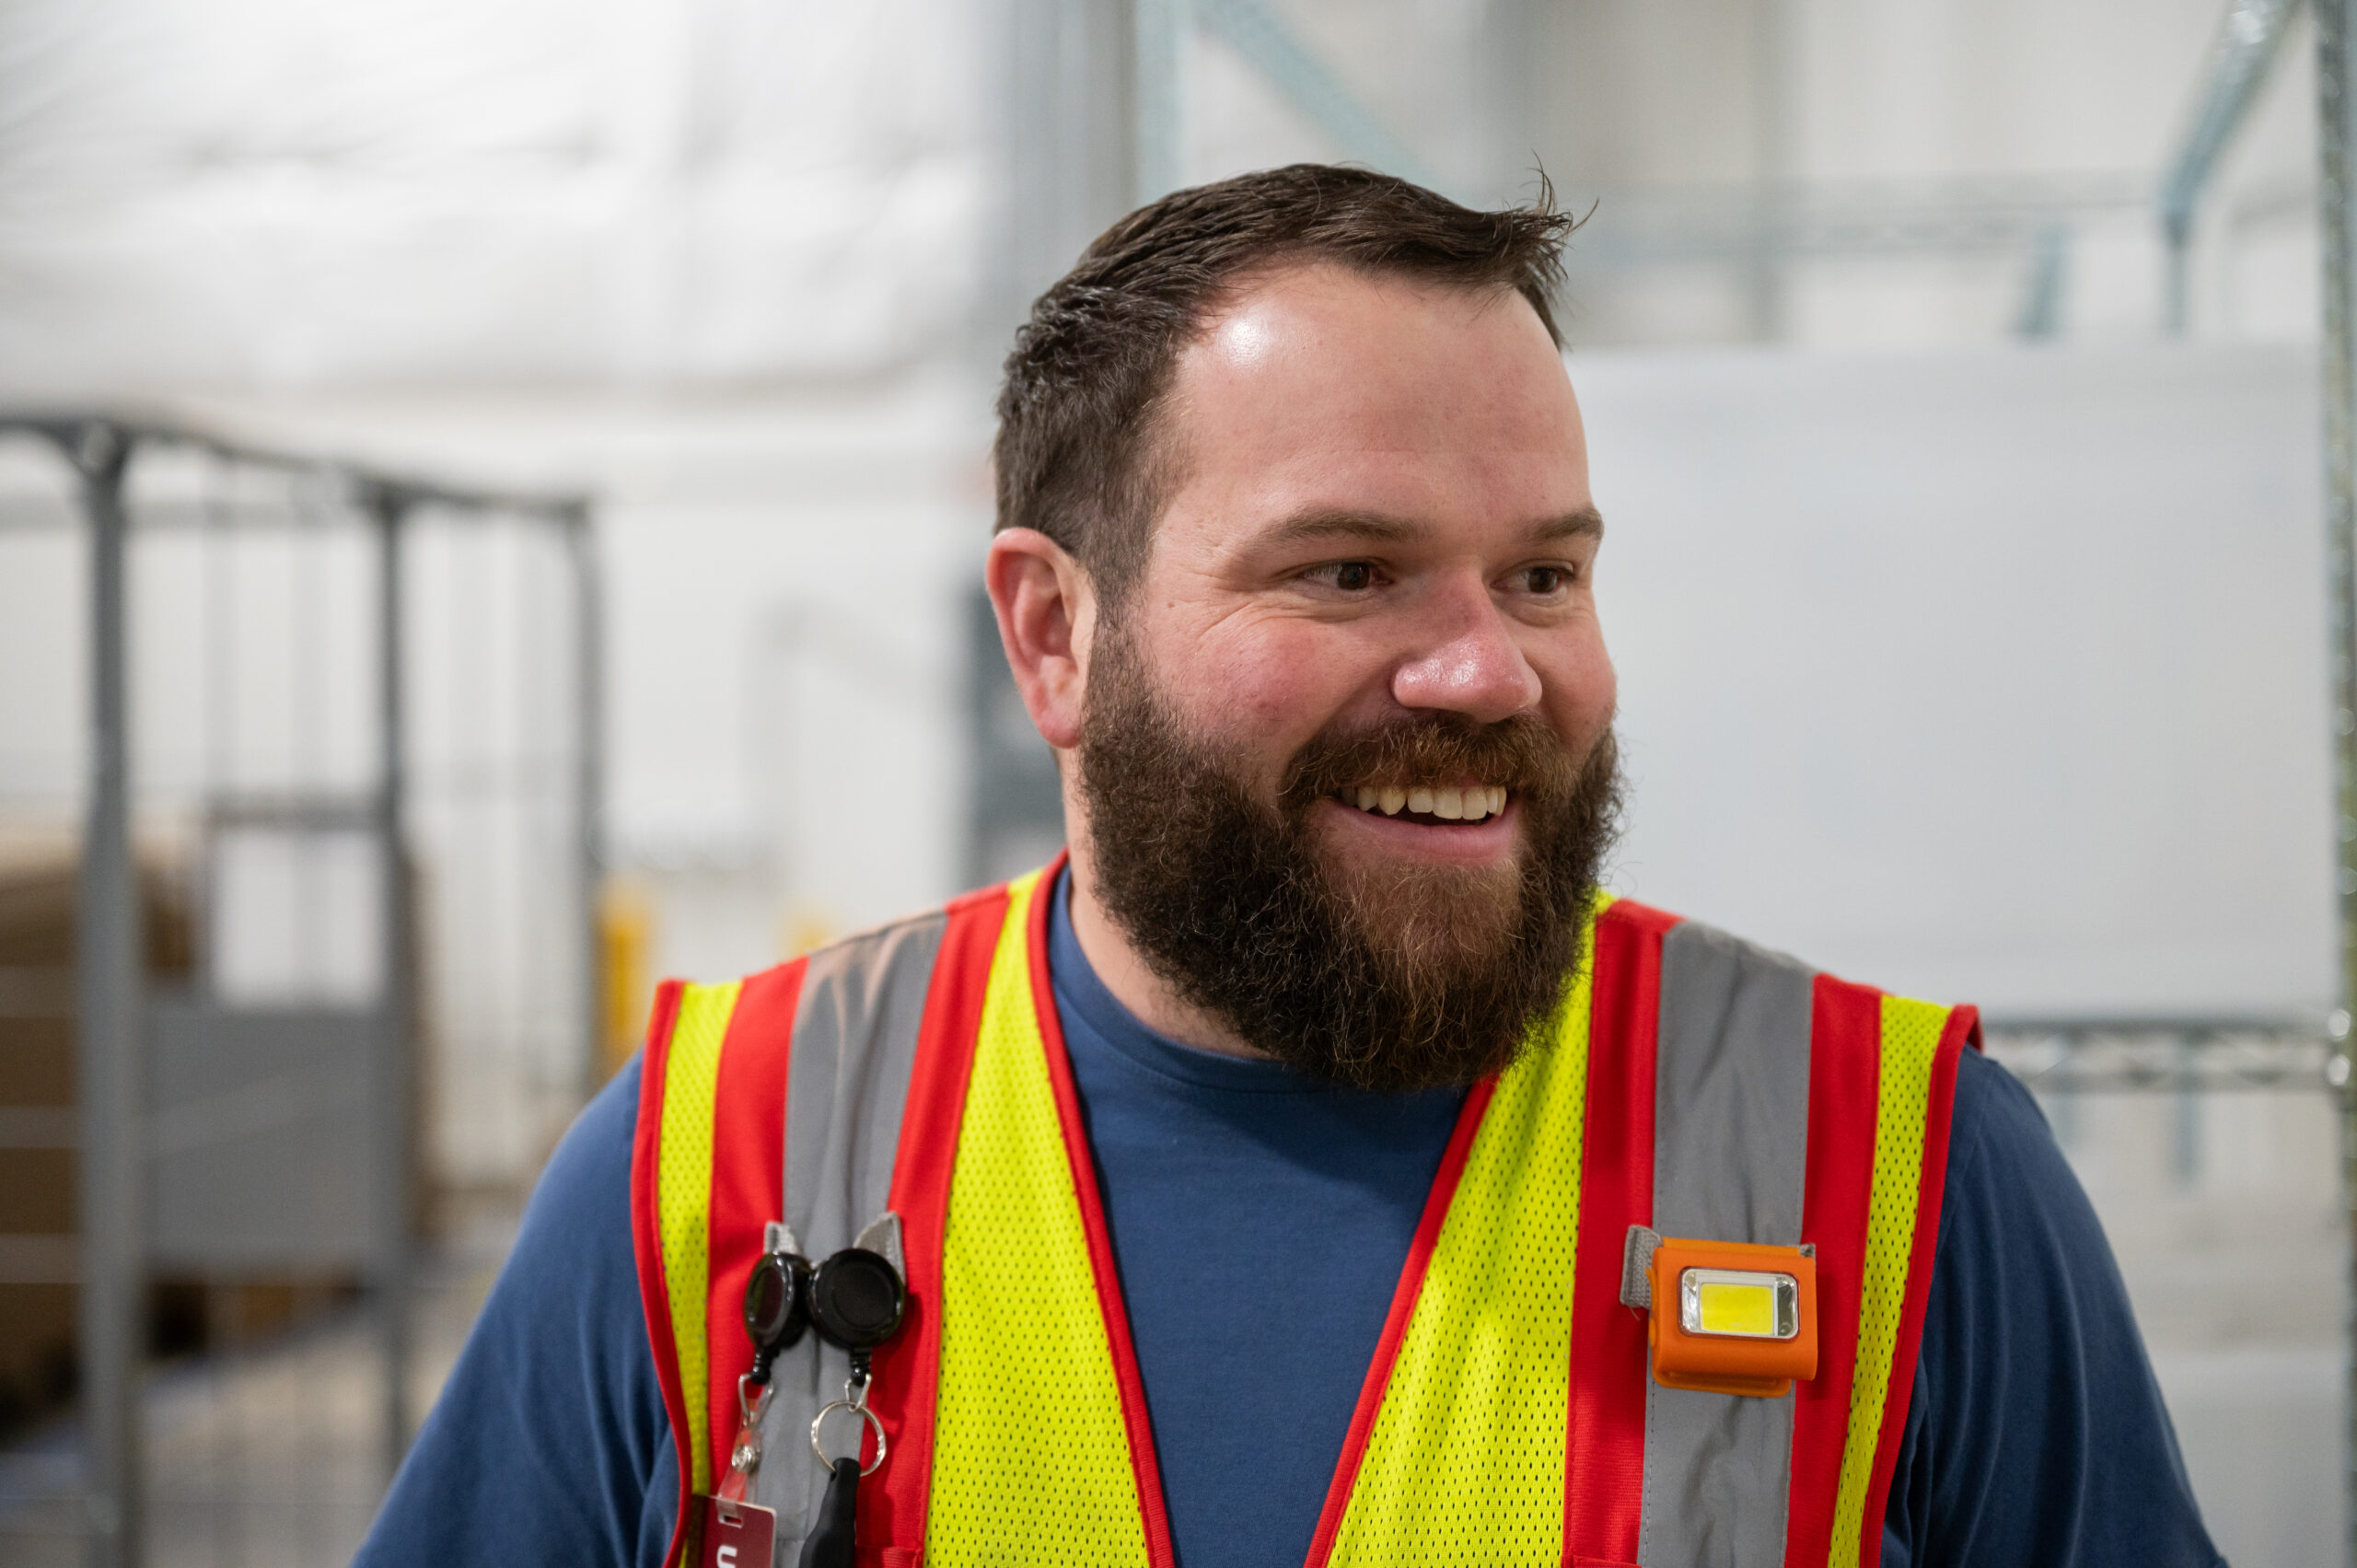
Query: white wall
column 1992, row 676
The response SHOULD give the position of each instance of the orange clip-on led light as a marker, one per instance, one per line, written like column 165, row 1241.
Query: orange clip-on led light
column 1732, row 1318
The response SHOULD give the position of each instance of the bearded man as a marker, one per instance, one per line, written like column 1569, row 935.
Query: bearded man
column 1316, row 1165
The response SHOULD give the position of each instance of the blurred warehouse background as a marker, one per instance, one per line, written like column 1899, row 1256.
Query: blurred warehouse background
column 1951, row 369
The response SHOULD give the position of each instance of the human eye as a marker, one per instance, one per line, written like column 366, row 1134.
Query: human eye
column 1546, row 580
column 1346, row 576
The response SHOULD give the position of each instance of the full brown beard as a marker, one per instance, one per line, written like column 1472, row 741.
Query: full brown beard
column 1390, row 978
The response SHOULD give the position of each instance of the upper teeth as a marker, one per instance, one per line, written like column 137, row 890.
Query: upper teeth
column 1450, row 805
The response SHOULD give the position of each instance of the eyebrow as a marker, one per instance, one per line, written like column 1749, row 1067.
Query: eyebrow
column 1322, row 523
column 1585, row 523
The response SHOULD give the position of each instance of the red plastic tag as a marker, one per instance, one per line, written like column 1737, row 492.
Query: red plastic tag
column 737, row 1535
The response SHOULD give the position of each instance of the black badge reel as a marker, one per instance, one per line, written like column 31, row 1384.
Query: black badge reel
column 855, row 1300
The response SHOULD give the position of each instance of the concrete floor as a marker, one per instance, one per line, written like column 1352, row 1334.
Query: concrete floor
column 267, row 1457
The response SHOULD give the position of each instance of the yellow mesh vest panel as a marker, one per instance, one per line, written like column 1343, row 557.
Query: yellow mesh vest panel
column 1911, row 1039
column 1465, row 1464
column 683, row 1198
column 1031, row 1458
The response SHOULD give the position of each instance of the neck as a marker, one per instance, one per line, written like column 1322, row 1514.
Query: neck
column 1125, row 972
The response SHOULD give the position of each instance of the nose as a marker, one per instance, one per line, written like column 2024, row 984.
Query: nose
column 1468, row 662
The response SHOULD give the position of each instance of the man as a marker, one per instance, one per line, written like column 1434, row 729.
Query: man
column 1315, row 1166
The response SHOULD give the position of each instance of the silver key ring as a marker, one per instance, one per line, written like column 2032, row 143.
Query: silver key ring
column 865, row 1414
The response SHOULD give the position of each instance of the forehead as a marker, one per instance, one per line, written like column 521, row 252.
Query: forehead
column 1320, row 387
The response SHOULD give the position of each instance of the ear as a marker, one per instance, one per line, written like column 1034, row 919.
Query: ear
column 1045, row 615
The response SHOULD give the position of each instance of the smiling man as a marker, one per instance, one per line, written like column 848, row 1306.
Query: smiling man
column 1341, row 752
column 1317, row 1165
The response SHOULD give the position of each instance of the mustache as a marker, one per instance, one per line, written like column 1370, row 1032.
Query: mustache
column 1521, row 754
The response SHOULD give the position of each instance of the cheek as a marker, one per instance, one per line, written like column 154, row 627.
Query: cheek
column 1269, row 687
column 1581, row 688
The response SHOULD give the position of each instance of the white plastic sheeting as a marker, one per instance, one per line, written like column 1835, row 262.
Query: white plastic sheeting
column 264, row 193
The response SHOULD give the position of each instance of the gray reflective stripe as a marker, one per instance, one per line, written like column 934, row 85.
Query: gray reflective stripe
column 1730, row 1090
column 1730, row 1164
column 854, row 1041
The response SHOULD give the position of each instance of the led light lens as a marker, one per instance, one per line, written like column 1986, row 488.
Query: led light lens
column 1739, row 1303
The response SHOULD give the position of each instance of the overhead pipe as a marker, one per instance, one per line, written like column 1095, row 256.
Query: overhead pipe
column 2249, row 37
column 1255, row 30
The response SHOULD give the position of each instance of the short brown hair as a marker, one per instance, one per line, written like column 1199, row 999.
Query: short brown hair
column 1075, row 412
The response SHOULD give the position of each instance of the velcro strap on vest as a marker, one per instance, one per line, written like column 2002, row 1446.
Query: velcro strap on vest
column 1636, row 1268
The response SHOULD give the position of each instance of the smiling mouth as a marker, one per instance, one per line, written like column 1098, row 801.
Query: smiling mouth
column 1431, row 804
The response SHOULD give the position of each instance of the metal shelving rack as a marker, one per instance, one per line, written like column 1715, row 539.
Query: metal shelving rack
column 124, row 1033
column 2337, row 121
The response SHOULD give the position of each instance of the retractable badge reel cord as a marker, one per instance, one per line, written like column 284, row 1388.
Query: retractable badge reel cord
column 854, row 1301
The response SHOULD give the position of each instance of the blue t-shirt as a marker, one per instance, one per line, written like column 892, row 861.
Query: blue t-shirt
column 1260, row 1223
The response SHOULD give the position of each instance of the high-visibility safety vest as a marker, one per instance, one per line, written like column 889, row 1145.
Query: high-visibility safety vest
column 1690, row 1083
